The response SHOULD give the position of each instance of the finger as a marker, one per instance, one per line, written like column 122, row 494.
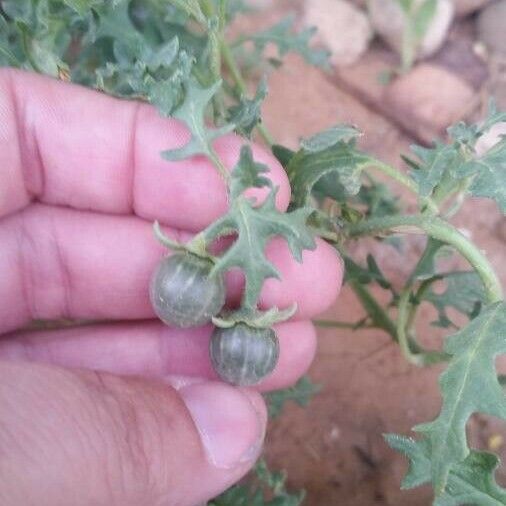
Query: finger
column 58, row 263
column 152, row 349
column 81, row 438
column 67, row 145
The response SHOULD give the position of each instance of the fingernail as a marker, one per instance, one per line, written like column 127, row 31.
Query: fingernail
column 230, row 421
column 179, row 382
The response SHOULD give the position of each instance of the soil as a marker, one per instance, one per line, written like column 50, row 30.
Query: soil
column 334, row 449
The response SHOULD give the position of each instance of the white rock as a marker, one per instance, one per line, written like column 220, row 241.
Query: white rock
column 389, row 21
column 491, row 138
column 343, row 28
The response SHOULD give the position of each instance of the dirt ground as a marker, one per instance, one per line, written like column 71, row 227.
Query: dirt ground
column 334, row 449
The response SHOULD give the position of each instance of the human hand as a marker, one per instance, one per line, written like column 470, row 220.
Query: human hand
column 126, row 412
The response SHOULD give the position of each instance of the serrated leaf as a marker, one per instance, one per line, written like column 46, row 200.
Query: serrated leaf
column 365, row 275
column 330, row 137
column 434, row 164
column 246, row 114
column 248, row 174
column 286, row 40
column 192, row 112
column 464, row 292
column 340, row 161
column 254, row 226
column 378, row 199
column 301, row 393
column 490, row 175
column 469, row 482
column 469, row 385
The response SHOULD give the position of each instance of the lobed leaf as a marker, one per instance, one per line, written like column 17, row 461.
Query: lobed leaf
column 246, row 114
column 285, row 39
column 468, row 385
column 341, row 162
column 464, row 292
column 330, row 137
column 301, row 393
column 489, row 173
column 192, row 112
column 434, row 164
column 469, row 482
column 254, row 226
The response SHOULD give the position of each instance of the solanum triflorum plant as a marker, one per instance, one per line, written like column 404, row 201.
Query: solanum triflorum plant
column 175, row 55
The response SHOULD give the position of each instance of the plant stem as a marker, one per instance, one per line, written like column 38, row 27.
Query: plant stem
column 220, row 167
column 376, row 313
column 442, row 231
column 339, row 325
column 404, row 181
column 402, row 328
column 236, row 75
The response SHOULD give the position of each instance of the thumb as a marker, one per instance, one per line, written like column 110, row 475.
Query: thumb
column 87, row 438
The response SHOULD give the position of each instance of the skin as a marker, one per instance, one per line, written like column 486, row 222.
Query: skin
column 125, row 412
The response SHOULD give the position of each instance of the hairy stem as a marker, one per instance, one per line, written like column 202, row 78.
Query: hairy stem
column 402, row 328
column 326, row 324
column 442, row 231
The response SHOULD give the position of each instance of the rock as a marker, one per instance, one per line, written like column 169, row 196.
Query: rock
column 492, row 26
column 389, row 21
column 491, row 138
column 466, row 7
column 427, row 100
column 343, row 28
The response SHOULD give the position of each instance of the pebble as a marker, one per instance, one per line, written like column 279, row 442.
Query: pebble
column 389, row 21
column 428, row 99
column 342, row 27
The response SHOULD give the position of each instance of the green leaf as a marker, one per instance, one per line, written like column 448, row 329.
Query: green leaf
column 490, row 175
column 301, row 393
column 7, row 41
column 248, row 174
column 426, row 266
column 81, row 6
column 282, row 154
column 246, row 114
column 263, row 488
column 378, row 199
column 254, row 226
column 434, row 164
column 469, row 482
column 469, row 385
column 192, row 112
column 365, row 275
column 342, row 162
column 286, row 40
column 330, row 137
column 464, row 292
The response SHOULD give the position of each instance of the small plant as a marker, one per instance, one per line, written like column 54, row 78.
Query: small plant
column 175, row 55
